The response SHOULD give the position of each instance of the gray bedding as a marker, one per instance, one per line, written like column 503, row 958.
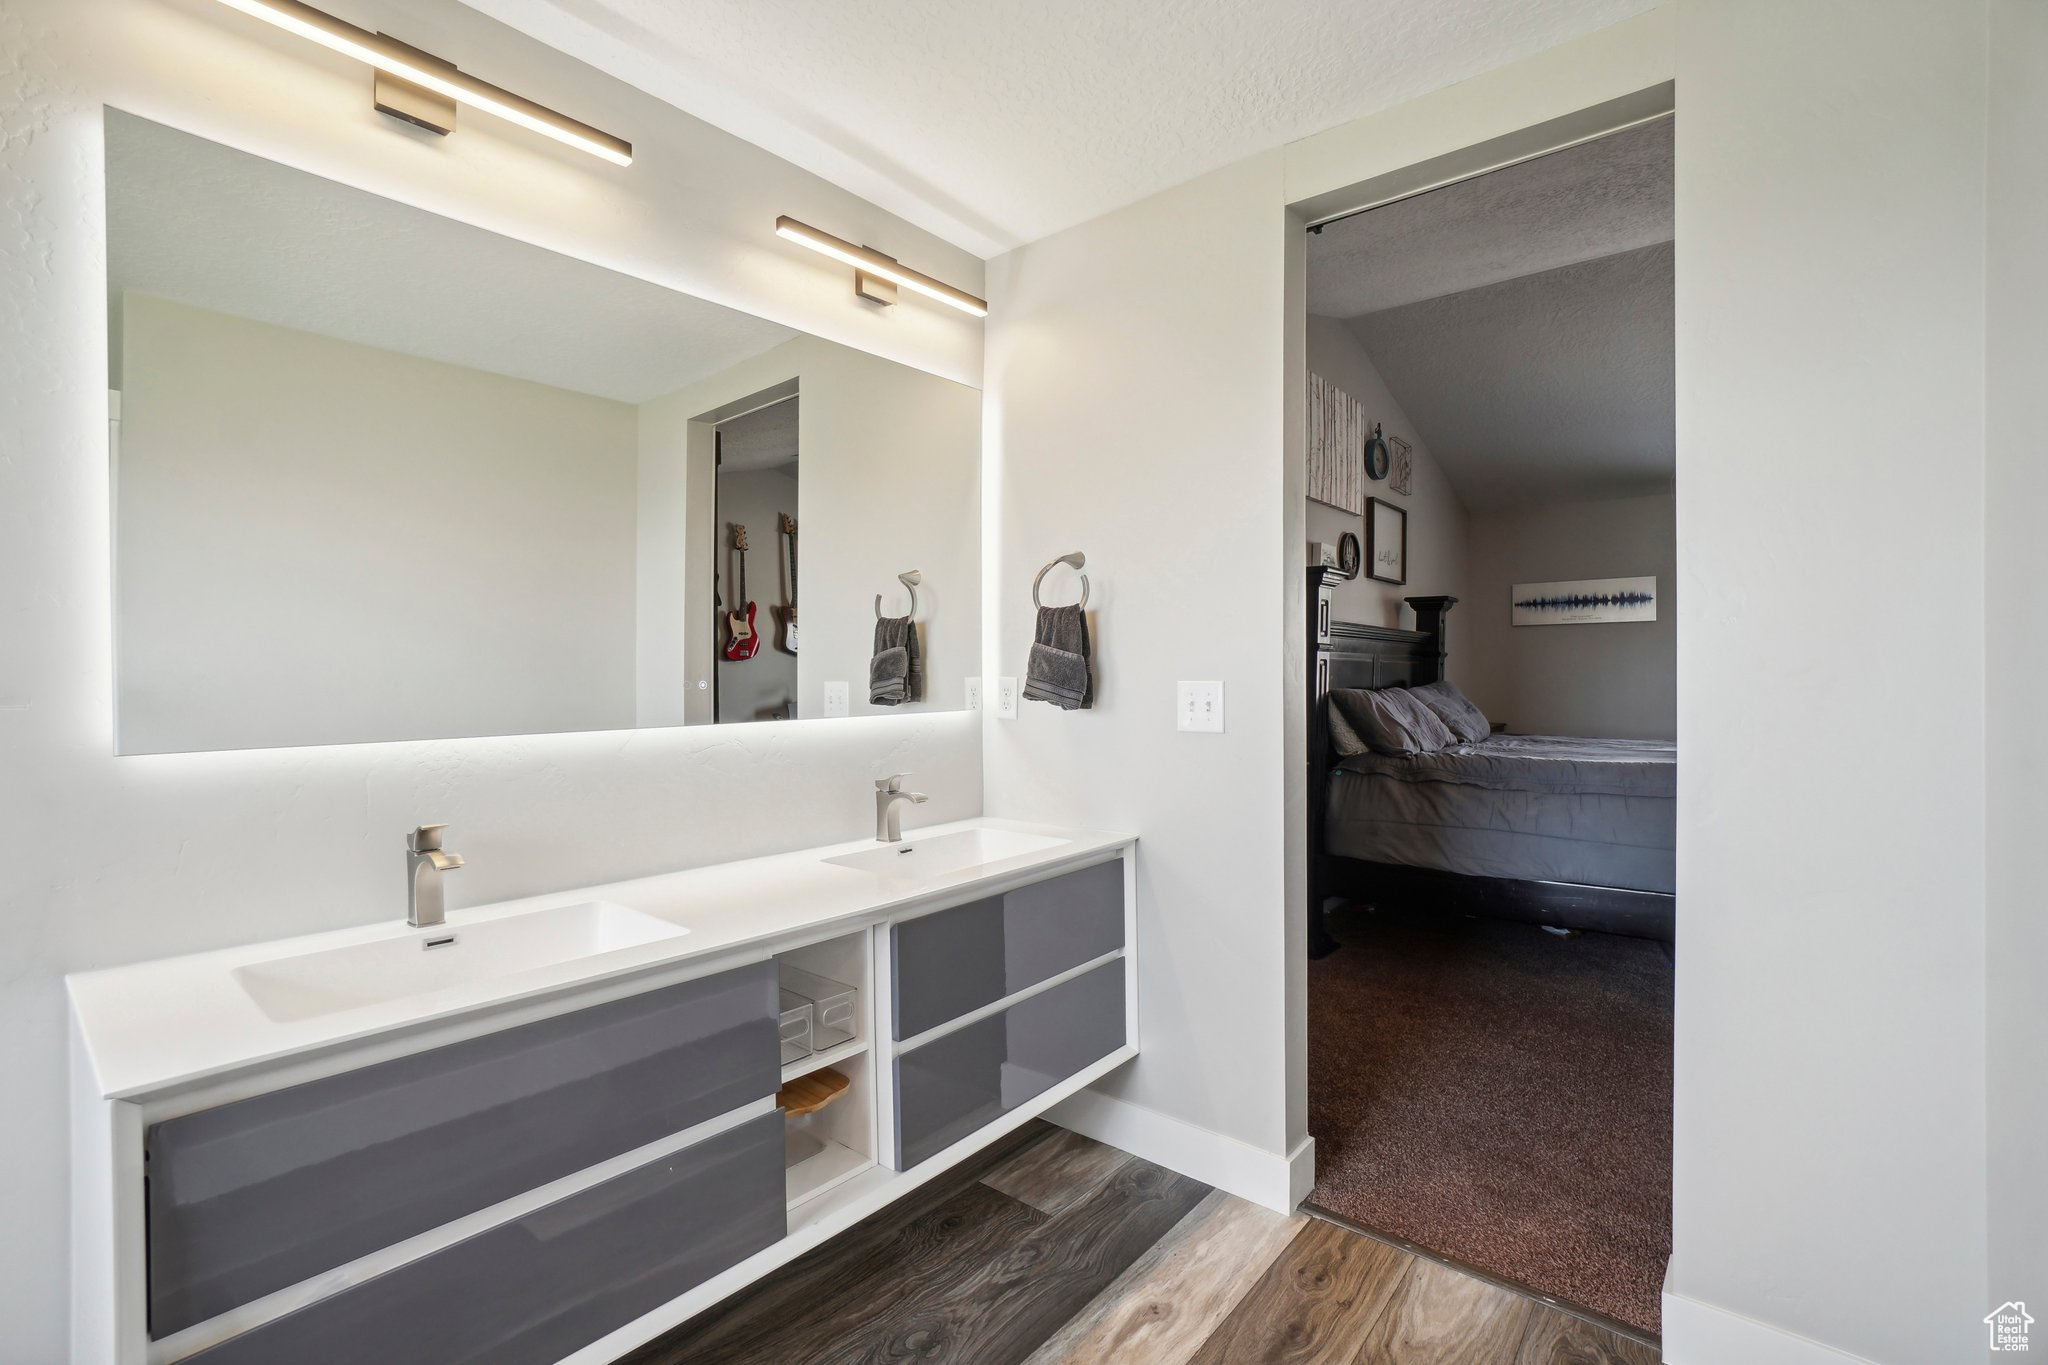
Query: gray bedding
column 1599, row 812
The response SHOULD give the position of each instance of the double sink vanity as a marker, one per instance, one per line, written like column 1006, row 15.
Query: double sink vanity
column 548, row 1130
column 415, row 480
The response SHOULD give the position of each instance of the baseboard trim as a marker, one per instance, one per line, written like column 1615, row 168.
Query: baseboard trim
column 1301, row 1172
column 1265, row 1178
column 1698, row 1333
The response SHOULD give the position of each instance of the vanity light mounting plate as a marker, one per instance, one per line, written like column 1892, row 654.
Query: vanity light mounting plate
column 410, row 103
column 874, row 288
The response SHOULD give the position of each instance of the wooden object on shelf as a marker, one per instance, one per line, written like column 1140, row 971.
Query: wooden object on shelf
column 810, row 1093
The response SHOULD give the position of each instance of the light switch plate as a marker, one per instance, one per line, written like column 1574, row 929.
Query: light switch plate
column 1200, row 708
column 837, row 701
column 974, row 694
column 1006, row 698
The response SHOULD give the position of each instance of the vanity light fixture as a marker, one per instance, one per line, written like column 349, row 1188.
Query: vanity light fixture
column 866, row 262
column 439, row 85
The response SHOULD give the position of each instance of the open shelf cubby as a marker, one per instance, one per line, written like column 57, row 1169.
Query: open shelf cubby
column 819, row 1060
column 824, row 1149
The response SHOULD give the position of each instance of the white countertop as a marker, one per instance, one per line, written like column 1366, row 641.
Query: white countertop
column 153, row 1025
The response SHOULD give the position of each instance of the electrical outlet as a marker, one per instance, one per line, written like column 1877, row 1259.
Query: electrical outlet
column 974, row 694
column 1006, row 698
column 1200, row 707
column 838, row 702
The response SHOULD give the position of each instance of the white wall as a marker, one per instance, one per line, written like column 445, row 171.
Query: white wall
column 1618, row 679
column 672, row 643
column 890, row 481
column 1140, row 421
column 1159, row 428
column 1831, row 1101
column 327, row 543
column 105, row 860
column 1437, row 521
column 2016, row 616
column 1830, row 1173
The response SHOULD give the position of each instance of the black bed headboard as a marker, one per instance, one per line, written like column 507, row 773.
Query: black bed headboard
column 1349, row 654
column 1364, row 656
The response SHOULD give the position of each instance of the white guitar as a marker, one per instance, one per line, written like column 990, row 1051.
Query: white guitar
column 788, row 613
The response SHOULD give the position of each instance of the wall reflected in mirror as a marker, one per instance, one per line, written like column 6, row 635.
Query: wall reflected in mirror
column 382, row 475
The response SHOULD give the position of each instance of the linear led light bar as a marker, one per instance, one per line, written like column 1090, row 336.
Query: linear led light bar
column 868, row 261
column 407, row 64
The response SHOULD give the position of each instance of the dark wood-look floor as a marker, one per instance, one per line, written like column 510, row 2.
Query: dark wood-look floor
column 1049, row 1249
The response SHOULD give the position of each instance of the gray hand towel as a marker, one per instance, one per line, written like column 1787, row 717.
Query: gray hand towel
column 1058, row 669
column 896, row 673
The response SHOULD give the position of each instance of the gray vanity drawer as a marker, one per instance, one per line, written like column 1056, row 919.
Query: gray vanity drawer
column 532, row 1291
column 259, row 1194
column 964, row 1080
column 948, row 964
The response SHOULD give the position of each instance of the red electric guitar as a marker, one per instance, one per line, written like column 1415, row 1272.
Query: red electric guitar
column 742, row 641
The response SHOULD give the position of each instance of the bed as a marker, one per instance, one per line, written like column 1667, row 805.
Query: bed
column 1577, row 833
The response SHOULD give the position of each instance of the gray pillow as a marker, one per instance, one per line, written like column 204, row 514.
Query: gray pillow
column 1387, row 721
column 1455, row 710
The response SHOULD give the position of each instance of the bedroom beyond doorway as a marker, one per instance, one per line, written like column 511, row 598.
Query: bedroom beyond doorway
column 1492, row 756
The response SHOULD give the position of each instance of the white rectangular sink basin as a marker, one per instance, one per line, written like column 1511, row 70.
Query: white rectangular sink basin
column 917, row 858
column 335, row 979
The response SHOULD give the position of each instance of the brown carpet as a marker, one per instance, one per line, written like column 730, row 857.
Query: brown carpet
column 1501, row 1097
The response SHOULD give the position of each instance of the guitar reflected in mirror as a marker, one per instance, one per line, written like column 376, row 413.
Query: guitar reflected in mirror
column 742, row 641
column 787, row 614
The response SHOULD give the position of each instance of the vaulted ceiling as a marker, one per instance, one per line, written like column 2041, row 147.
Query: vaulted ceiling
column 993, row 125
column 1552, row 387
column 1524, row 320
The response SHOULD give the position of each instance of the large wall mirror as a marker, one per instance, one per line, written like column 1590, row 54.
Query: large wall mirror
column 381, row 475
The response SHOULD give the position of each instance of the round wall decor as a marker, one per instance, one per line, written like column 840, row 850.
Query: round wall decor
column 1376, row 454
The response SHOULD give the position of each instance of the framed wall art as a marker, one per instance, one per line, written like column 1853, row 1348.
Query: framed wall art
column 1586, row 601
column 1386, row 541
column 1401, row 477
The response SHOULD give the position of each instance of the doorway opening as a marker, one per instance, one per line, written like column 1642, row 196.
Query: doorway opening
column 1491, row 447
column 755, row 494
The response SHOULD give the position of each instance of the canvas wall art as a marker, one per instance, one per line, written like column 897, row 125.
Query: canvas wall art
column 1336, row 446
column 1585, row 601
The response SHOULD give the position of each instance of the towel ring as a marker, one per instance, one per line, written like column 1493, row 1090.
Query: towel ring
column 909, row 581
column 1076, row 560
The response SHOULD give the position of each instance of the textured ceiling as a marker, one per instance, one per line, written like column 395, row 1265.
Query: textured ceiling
column 203, row 224
column 993, row 125
column 1547, row 388
column 763, row 439
column 1593, row 200
column 1523, row 319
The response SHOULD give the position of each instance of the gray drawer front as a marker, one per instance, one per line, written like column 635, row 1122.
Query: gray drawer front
column 956, row 961
column 531, row 1291
column 253, row 1196
column 966, row 1079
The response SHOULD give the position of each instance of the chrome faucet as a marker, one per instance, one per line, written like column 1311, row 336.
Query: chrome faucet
column 425, row 861
column 889, row 799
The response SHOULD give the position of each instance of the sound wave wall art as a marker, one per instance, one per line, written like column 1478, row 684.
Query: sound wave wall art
column 1585, row 601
